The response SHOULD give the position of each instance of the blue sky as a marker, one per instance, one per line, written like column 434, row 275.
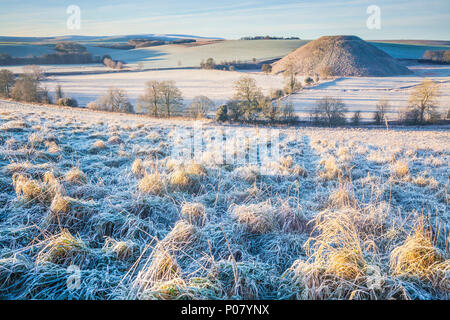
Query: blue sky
column 231, row 19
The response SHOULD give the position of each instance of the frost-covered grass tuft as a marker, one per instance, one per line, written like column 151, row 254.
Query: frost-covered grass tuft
column 418, row 257
column 400, row 168
column 152, row 183
column 76, row 176
column 257, row 218
column 63, row 249
column 194, row 212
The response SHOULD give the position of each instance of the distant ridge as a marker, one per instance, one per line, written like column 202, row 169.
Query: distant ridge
column 341, row 56
column 118, row 38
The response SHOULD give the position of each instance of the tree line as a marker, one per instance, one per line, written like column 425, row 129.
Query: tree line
column 27, row 87
column 163, row 99
column 66, row 53
column 440, row 56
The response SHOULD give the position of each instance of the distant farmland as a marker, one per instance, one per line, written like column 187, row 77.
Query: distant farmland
column 173, row 56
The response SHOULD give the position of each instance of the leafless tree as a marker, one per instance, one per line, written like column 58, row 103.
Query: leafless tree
column 423, row 99
column 329, row 111
column 200, row 107
column 7, row 81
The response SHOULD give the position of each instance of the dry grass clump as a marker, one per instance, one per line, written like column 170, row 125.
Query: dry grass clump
column 75, row 176
column 299, row 171
column 14, row 126
column 400, row 169
column 63, row 249
column 60, row 204
column 164, row 271
column 257, row 218
column 331, row 169
column 291, row 219
column 343, row 196
column 51, row 185
column 336, row 266
column 32, row 190
column 181, row 235
column 154, row 136
column 152, row 183
column 68, row 212
column 178, row 289
column 35, row 139
column 344, row 154
column 172, row 164
column 195, row 213
column 247, row 173
column 379, row 156
column 97, row 146
column 180, row 179
column 286, row 162
column 337, row 247
column 418, row 257
column 26, row 188
column 123, row 250
column 195, row 169
column 423, row 181
column 52, row 147
column 27, row 167
column 287, row 165
column 137, row 168
column 163, row 267
column 114, row 140
column 434, row 161
column 173, row 289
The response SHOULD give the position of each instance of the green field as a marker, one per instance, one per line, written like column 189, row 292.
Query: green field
column 170, row 56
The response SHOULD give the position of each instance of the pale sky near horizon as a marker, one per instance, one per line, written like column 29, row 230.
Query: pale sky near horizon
column 231, row 19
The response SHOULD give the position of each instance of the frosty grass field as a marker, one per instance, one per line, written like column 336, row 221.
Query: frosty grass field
column 97, row 205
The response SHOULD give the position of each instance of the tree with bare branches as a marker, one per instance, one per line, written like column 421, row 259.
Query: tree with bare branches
column 423, row 99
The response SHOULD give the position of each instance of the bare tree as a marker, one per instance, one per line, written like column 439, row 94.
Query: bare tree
column 382, row 108
column 356, row 119
column 58, row 92
column 171, row 98
column 287, row 111
column 423, row 99
column 7, row 81
column 150, row 101
column 291, row 83
column 266, row 68
column 210, row 64
column 329, row 111
column 26, row 89
column 115, row 100
column 34, row 71
column 271, row 109
column 249, row 96
column 200, row 106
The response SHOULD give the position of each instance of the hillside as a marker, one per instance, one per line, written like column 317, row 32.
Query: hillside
column 341, row 56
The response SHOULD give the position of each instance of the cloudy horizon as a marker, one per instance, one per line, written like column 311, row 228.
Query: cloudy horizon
column 230, row 19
